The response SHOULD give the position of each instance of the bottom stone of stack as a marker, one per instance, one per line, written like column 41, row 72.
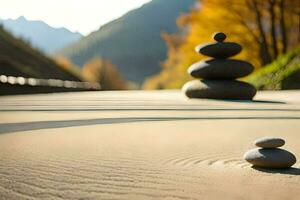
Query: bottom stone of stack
column 219, row 89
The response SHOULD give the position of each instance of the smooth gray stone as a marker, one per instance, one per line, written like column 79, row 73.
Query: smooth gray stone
column 219, row 36
column 269, row 142
column 220, row 69
column 219, row 89
column 219, row 49
column 270, row 158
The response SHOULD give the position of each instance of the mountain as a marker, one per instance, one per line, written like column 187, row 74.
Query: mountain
column 40, row 34
column 282, row 74
column 133, row 42
column 19, row 59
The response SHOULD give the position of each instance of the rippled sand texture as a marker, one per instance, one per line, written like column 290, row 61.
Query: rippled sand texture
column 143, row 145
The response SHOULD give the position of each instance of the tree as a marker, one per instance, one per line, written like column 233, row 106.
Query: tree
column 266, row 29
column 104, row 72
column 67, row 65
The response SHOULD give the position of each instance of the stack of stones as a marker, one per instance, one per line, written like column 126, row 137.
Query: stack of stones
column 268, row 155
column 219, row 73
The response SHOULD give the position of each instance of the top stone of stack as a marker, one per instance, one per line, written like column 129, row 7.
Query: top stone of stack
column 269, row 142
column 219, row 49
column 219, row 36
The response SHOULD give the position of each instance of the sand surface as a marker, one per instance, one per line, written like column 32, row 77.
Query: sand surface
column 143, row 145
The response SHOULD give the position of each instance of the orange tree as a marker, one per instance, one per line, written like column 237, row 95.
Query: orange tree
column 104, row 72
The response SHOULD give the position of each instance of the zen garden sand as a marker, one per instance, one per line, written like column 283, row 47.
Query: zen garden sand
column 144, row 145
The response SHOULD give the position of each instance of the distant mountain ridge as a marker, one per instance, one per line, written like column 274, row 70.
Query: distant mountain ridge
column 132, row 42
column 40, row 34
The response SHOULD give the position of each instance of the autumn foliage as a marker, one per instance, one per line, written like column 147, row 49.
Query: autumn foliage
column 67, row 65
column 95, row 70
column 265, row 28
column 104, row 72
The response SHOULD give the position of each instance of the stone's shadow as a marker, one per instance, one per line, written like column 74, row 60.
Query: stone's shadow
column 265, row 101
column 258, row 101
column 289, row 171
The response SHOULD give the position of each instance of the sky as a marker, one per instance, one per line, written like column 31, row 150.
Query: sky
column 83, row 16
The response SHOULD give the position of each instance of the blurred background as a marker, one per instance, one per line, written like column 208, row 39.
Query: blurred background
column 68, row 45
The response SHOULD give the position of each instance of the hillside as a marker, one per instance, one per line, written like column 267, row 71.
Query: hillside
column 19, row 59
column 282, row 74
column 40, row 34
column 132, row 42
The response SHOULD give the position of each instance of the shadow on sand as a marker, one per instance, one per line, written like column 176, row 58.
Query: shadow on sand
column 289, row 171
column 37, row 125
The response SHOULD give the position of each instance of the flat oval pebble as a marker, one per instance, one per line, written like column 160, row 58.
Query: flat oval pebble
column 270, row 158
column 220, row 69
column 219, row 89
column 219, row 36
column 219, row 49
column 269, row 142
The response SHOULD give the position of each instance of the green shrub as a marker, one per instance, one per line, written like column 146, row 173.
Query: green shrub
column 284, row 73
